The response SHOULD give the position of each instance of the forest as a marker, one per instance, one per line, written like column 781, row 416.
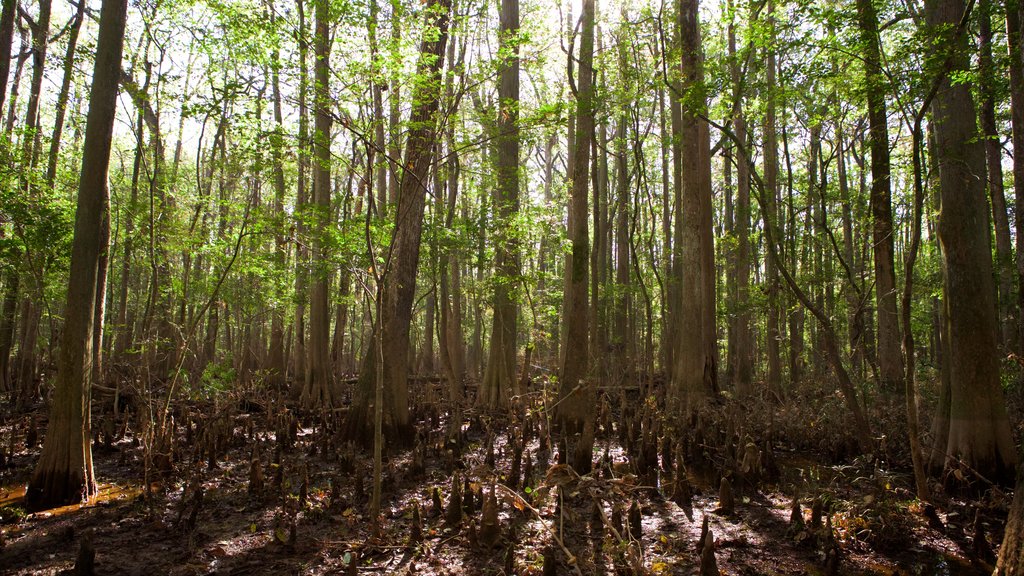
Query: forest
column 512, row 287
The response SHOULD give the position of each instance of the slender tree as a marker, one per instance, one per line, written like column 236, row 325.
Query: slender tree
column 575, row 397
column 319, row 388
column 402, row 260
column 890, row 359
column 500, row 375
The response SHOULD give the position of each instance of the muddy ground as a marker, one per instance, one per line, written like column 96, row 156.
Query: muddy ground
column 308, row 514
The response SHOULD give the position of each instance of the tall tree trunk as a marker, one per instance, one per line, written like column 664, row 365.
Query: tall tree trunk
column 742, row 377
column 318, row 391
column 771, row 172
column 400, row 274
column 694, row 373
column 1015, row 45
column 623, row 336
column 979, row 431
column 64, row 473
column 890, row 359
column 301, row 209
column 500, row 375
column 996, row 193
column 276, row 357
column 575, row 411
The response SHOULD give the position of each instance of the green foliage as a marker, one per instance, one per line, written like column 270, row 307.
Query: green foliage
column 218, row 377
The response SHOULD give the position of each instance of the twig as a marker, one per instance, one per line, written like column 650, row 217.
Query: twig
column 554, row 535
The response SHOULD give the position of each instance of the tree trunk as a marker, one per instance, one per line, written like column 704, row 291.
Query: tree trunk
column 890, row 359
column 771, row 172
column 7, row 16
column 693, row 377
column 1011, row 553
column 500, row 375
column 623, row 336
column 400, row 272
column 575, row 396
column 276, row 356
column 997, row 195
column 1015, row 45
column 301, row 209
column 318, row 391
column 979, row 431
column 62, row 97
column 64, row 473
column 742, row 372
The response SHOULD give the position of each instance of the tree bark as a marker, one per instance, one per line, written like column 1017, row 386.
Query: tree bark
column 500, row 375
column 996, row 193
column 1011, row 553
column 318, row 390
column 62, row 96
column 890, row 359
column 575, row 396
column 979, row 431
column 301, row 209
column 276, row 357
column 8, row 14
column 771, row 171
column 1015, row 45
column 694, row 373
column 742, row 372
column 64, row 473
column 403, row 260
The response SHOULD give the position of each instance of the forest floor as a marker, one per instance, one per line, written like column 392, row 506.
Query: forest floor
column 308, row 514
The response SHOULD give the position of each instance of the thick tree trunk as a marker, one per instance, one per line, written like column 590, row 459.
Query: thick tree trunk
column 64, row 473
column 979, row 431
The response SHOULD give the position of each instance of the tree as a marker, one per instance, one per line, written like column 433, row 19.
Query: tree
column 1011, row 553
column 64, row 473
column 500, row 375
column 890, row 359
column 972, row 424
column 695, row 371
column 575, row 397
column 319, row 388
column 7, row 16
column 1015, row 49
column 773, row 336
column 402, row 260
column 742, row 372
